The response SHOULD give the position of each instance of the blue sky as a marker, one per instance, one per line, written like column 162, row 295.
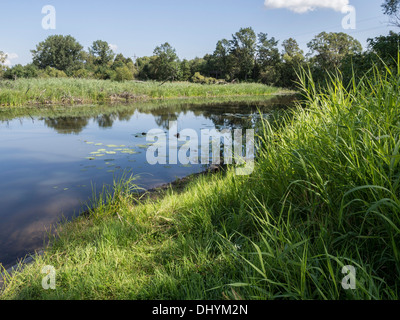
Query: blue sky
column 192, row 27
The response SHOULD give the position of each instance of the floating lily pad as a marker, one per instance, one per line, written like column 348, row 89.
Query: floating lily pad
column 112, row 146
column 102, row 150
column 100, row 155
column 89, row 142
column 98, row 144
column 110, row 152
column 141, row 146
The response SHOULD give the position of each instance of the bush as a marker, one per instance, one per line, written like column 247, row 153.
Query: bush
column 83, row 74
column 198, row 78
column 122, row 74
column 19, row 71
column 50, row 72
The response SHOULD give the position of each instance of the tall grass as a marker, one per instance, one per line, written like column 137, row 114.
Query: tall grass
column 327, row 195
column 324, row 194
column 77, row 91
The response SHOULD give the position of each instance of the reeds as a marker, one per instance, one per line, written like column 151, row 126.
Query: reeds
column 77, row 91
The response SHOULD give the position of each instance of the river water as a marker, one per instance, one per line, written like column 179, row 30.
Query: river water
column 52, row 163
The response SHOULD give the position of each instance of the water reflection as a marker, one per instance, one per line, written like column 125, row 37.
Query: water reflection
column 50, row 163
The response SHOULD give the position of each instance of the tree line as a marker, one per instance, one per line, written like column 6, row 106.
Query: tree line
column 246, row 57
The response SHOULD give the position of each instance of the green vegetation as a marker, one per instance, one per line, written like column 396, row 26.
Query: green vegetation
column 247, row 57
column 324, row 194
column 77, row 91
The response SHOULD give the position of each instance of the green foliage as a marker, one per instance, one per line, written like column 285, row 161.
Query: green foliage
column 59, row 52
column 53, row 73
column 387, row 48
column 246, row 57
column 101, row 52
column 123, row 73
column 54, row 90
column 392, row 9
column 198, row 78
column 19, row 71
column 331, row 48
column 83, row 74
column 3, row 58
column 166, row 63
column 243, row 49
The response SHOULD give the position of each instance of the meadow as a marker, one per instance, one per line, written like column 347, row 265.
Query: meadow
column 41, row 91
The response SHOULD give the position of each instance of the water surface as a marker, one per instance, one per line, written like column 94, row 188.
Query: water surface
column 51, row 163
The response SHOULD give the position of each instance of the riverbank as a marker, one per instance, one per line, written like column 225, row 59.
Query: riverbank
column 323, row 195
column 67, row 91
column 158, row 192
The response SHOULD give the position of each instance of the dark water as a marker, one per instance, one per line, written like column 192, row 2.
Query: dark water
column 48, row 169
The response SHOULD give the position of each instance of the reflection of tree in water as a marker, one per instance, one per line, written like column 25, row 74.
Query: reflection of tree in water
column 163, row 118
column 225, row 115
column 106, row 120
column 67, row 125
column 74, row 125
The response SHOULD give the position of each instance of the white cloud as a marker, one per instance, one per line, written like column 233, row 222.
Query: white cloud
column 302, row 6
column 10, row 56
column 113, row 47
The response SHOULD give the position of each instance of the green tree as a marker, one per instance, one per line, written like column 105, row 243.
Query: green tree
column 60, row 52
column 101, row 52
column 330, row 49
column 186, row 73
column 3, row 58
column 123, row 73
column 166, row 64
column 392, row 9
column 19, row 71
column 292, row 61
column 145, row 68
column 243, row 50
column 268, row 60
column 386, row 48
column 222, row 59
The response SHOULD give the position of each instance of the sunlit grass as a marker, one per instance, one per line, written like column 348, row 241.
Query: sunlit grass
column 78, row 91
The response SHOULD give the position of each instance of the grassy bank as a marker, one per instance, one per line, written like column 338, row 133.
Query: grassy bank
column 84, row 91
column 324, row 194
